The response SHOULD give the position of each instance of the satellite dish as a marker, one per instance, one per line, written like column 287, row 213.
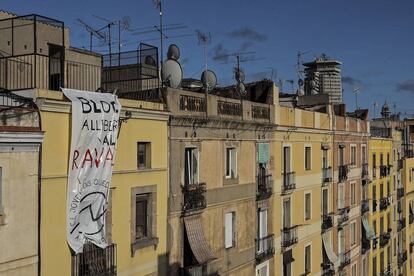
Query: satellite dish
column 172, row 73
column 239, row 75
column 241, row 88
column 173, row 52
column 209, row 79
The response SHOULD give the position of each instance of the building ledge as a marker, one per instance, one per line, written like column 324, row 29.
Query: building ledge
column 142, row 243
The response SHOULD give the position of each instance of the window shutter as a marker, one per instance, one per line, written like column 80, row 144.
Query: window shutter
column 263, row 223
column 194, row 171
column 233, row 163
column 228, row 235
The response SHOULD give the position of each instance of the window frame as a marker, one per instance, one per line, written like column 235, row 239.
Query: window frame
column 306, row 166
column 353, row 233
column 147, row 156
column 307, row 271
column 191, row 180
column 306, row 218
column 229, row 163
column 353, row 193
column 233, row 230
column 353, row 155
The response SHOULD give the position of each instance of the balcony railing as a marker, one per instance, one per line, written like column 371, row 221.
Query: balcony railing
column 343, row 215
column 326, row 175
column 400, row 192
column 365, row 245
column 289, row 182
column 345, row 259
column 385, row 170
column 264, row 188
column 401, row 224
column 374, row 243
column 95, row 261
column 327, row 221
column 364, row 206
column 343, row 173
column 194, row 197
column 364, row 171
column 289, row 236
column 408, row 150
column 385, row 238
column 402, row 257
column 265, row 248
column 328, row 269
column 384, row 203
column 374, row 205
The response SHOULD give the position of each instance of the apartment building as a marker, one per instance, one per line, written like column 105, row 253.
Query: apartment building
column 20, row 143
column 221, row 179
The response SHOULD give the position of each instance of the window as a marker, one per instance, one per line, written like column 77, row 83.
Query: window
column 308, row 259
column 341, row 156
column 231, row 163
column 308, row 206
column 229, row 228
column 353, row 155
column 325, row 201
column 143, row 217
column 191, row 166
column 374, row 266
column 353, row 197
column 262, row 227
column 308, row 158
column 353, row 233
column 341, row 196
column 374, row 225
column 395, row 246
column 364, row 154
column 354, row 270
column 144, row 155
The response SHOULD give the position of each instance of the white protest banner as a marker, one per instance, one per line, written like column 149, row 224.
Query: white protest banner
column 95, row 125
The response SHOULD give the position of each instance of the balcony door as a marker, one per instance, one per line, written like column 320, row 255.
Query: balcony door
column 191, row 166
column 341, row 156
column 56, row 67
column 262, row 229
column 286, row 159
column 324, row 159
column 325, row 202
column 286, row 214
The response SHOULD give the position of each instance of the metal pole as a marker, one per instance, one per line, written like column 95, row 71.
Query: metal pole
column 110, row 46
column 119, row 42
column 161, row 32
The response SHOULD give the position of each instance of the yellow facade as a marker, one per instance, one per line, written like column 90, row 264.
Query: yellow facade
column 148, row 123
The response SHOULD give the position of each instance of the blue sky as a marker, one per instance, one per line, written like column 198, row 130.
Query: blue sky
column 373, row 39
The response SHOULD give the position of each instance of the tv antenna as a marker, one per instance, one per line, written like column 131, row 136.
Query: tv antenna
column 204, row 39
column 299, row 63
column 92, row 32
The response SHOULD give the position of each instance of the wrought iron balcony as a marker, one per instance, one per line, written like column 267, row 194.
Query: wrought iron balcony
column 364, row 171
column 385, row 238
column 385, row 170
column 327, row 221
column 289, row 236
column 343, row 173
column 410, row 218
column 364, row 206
column 328, row 269
column 95, row 261
column 374, row 243
column 194, row 197
column 408, row 150
column 264, row 187
column 365, row 245
column 402, row 257
column 400, row 192
column 289, row 182
column 343, row 215
column 345, row 259
column 374, row 205
column 384, row 203
column 401, row 224
column 265, row 248
column 326, row 175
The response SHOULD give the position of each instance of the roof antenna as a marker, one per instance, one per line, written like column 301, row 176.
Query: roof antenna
column 204, row 39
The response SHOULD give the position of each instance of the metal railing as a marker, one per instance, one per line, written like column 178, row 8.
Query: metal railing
column 264, row 188
column 326, row 175
column 289, row 236
column 385, row 170
column 399, row 164
column 345, row 259
column 190, row 103
column 328, row 268
column 400, row 192
column 402, row 257
column 408, row 151
column 194, row 197
column 401, row 224
column 343, row 215
column 289, row 181
column 387, row 271
column 327, row 222
column 265, row 248
column 365, row 171
column 343, row 173
column 385, row 238
column 384, row 203
column 95, row 261
column 260, row 112
column 364, row 206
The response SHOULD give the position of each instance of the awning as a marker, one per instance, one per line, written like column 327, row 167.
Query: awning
column 197, row 240
column 329, row 251
column 287, row 257
column 368, row 230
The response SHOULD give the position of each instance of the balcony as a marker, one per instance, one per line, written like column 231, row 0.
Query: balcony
column 194, row 197
column 327, row 222
column 364, row 171
column 343, row 173
column 401, row 224
column 289, row 236
column 408, row 150
column 385, row 170
column 343, row 216
column 384, row 203
column 364, row 206
column 410, row 218
column 345, row 259
column 385, row 238
column 95, row 261
column 328, row 269
column 374, row 243
column 402, row 257
column 265, row 248
column 374, row 205
column 289, row 182
column 400, row 192
column 326, row 176
column 365, row 245
column 264, row 187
